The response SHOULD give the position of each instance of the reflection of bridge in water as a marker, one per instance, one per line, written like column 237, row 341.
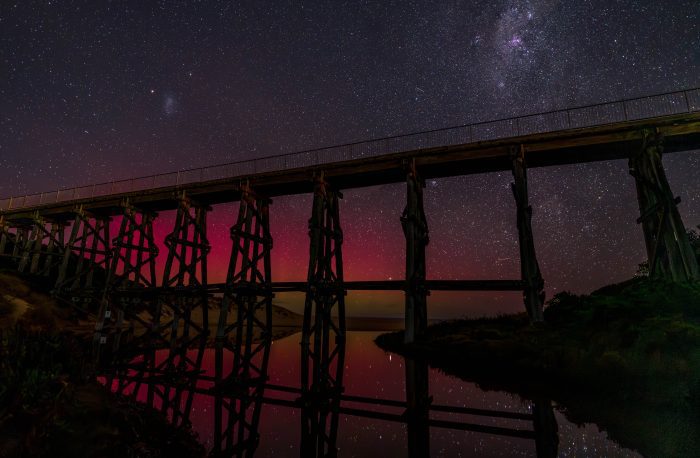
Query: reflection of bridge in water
column 240, row 389
column 65, row 235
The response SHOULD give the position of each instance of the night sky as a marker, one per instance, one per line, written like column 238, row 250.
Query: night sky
column 94, row 91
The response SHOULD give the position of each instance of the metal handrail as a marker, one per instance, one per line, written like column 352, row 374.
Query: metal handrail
column 665, row 104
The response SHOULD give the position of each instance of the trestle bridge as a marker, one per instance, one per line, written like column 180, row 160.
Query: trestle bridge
column 65, row 234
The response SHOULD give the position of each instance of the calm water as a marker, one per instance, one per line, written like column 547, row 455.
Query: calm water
column 367, row 429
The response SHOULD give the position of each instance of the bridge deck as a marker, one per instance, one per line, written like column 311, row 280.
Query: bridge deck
column 599, row 132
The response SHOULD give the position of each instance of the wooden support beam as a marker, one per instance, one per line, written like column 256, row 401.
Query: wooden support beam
column 323, row 329
column 418, row 402
column 54, row 248
column 546, row 429
column 36, row 251
column 86, row 254
column 21, row 236
column 360, row 285
column 415, row 229
column 4, row 235
column 27, row 249
column 670, row 254
column 185, row 266
column 132, row 265
column 248, row 338
column 530, row 270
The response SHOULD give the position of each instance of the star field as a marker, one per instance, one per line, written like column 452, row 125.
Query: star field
column 93, row 92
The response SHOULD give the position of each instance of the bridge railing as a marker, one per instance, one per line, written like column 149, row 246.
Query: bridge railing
column 671, row 103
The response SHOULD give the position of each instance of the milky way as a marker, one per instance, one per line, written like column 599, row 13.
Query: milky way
column 90, row 94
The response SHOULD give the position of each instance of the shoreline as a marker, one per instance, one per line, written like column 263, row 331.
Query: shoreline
column 626, row 357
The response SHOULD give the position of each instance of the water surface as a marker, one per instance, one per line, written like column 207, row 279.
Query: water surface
column 367, row 429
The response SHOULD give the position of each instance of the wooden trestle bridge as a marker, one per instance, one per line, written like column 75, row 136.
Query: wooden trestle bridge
column 65, row 235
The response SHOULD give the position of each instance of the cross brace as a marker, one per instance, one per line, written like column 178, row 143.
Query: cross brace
column 86, row 255
column 669, row 251
column 246, row 340
column 323, row 331
column 40, row 252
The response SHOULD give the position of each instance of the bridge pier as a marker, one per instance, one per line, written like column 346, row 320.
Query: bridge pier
column 4, row 236
column 169, row 389
column 133, row 267
column 323, row 331
column 26, row 249
column 185, row 282
column 87, row 252
column 320, row 414
column 248, row 290
column 418, row 401
column 669, row 252
column 21, row 240
column 529, row 267
column 240, row 396
column 186, row 270
column 134, row 250
column 415, row 229
column 546, row 429
column 54, row 247
column 34, row 251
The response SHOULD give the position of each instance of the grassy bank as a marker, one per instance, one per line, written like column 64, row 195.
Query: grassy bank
column 51, row 406
column 626, row 357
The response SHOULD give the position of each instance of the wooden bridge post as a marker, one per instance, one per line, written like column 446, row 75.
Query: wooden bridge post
column 241, row 396
column 415, row 229
column 323, row 334
column 32, row 244
column 133, row 267
column 127, row 371
column 529, row 267
column 87, row 252
column 68, row 252
column 3, row 235
column 418, row 408
column 20, row 242
column 546, row 429
column 669, row 252
column 186, row 272
column 33, row 251
column 56, row 244
column 248, row 337
column 186, row 267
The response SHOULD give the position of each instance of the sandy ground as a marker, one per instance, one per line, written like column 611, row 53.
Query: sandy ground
column 18, row 302
column 16, row 307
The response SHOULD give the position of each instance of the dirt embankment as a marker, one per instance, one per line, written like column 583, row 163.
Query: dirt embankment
column 20, row 302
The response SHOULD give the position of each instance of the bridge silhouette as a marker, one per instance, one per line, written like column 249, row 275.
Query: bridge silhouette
column 65, row 236
column 640, row 130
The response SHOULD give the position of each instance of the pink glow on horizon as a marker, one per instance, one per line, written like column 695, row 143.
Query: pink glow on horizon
column 373, row 249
